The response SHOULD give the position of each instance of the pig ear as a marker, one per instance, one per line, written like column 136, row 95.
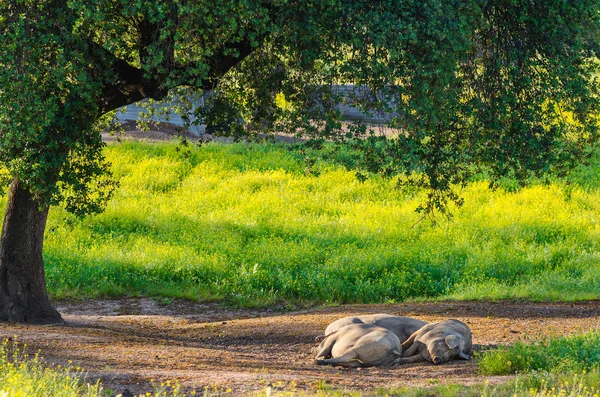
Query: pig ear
column 452, row 341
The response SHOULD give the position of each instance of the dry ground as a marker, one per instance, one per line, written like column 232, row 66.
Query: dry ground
column 130, row 341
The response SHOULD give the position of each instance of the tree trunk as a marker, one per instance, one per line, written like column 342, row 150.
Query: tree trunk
column 23, row 296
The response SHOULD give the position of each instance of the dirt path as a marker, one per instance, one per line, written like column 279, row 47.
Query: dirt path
column 128, row 342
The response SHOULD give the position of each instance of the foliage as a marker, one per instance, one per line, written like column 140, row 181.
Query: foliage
column 252, row 224
column 48, row 109
column 65, row 64
column 507, row 86
column 567, row 354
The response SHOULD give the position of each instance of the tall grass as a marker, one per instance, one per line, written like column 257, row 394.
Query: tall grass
column 250, row 224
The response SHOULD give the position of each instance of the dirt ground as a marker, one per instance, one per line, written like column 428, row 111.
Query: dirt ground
column 130, row 341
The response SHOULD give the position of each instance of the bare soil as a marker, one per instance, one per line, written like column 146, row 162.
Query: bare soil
column 127, row 342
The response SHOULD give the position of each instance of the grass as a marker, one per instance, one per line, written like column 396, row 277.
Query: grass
column 573, row 354
column 251, row 225
column 564, row 366
column 21, row 375
column 569, row 384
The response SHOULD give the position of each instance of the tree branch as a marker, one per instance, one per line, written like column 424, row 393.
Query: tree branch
column 219, row 64
column 130, row 84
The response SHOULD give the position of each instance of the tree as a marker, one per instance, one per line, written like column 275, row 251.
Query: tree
column 508, row 87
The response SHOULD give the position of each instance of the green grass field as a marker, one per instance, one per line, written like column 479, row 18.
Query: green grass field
column 246, row 224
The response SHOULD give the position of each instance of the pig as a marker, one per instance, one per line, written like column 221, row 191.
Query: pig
column 359, row 345
column 402, row 326
column 437, row 343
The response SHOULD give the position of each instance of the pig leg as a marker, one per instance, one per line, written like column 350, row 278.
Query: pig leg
column 408, row 360
column 409, row 342
column 322, row 337
column 411, row 350
column 325, row 350
column 346, row 360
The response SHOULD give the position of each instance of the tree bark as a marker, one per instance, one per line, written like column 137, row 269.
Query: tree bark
column 23, row 295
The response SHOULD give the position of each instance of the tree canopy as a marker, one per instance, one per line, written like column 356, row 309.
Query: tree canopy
column 509, row 87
